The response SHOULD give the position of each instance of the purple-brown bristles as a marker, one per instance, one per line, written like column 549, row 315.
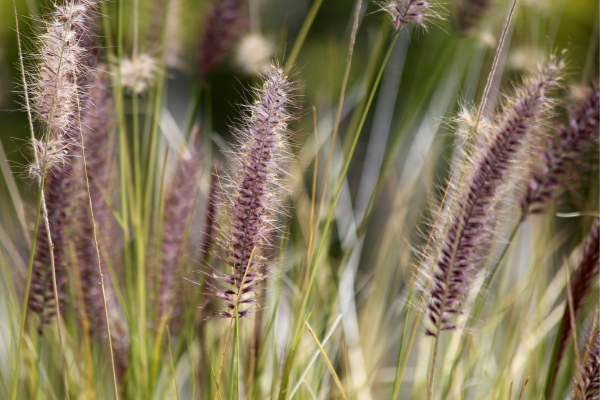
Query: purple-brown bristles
column 224, row 24
column 97, row 122
column 179, row 203
column 251, row 206
column 410, row 12
column 588, row 387
column 462, row 249
column 581, row 282
column 571, row 152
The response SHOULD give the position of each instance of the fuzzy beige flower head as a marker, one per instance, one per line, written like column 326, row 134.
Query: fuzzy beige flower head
column 52, row 156
column 254, row 53
column 138, row 73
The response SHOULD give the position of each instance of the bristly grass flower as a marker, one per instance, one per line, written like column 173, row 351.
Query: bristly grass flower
column 252, row 203
column 464, row 246
column 410, row 12
column 464, row 243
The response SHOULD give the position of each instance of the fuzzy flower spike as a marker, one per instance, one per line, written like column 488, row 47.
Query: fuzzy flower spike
column 464, row 242
column 251, row 204
column 410, row 12
column 62, row 50
column 64, row 55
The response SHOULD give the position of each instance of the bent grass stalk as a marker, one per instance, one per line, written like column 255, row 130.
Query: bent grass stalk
column 331, row 369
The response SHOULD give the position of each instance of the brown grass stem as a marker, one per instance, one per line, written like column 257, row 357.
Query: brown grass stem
column 331, row 369
column 490, row 78
column 523, row 388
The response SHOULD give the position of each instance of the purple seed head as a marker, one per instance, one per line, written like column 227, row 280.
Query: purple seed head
column 588, row 388
column 179, row 204
column 469, row 13
column 463, row 242
column 410, row 12
column 581, row 282
column 97, row 122
column 225, row 23
column 251, row 204
column 571, row 152
column 64, row 54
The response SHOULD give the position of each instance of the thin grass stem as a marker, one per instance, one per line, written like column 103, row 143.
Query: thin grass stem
column 488, row 84
column 85, row 324
column 172, row 363
column 15, row 375
column 57, row 305
column 573, row 320
column 310, row 17
column 159, row 234
column 338, row 115
column 331, row 369
column 97, row 249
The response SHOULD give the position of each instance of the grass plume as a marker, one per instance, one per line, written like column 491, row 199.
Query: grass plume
column 252, row 205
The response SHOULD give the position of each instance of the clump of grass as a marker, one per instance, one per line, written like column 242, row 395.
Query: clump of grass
column 340, row 247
